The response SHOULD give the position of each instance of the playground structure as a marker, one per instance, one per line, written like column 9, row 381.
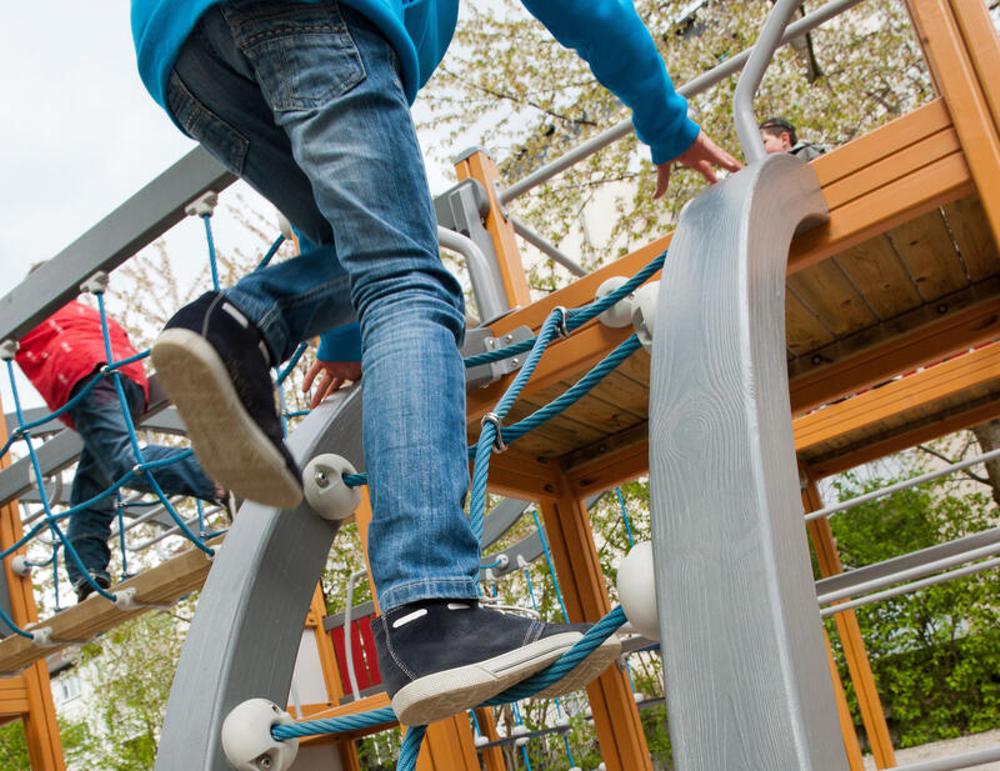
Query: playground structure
column 895, row 267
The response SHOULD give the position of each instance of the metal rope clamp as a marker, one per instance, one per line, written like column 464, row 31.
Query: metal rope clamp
column 499, row 445
column 563, row 326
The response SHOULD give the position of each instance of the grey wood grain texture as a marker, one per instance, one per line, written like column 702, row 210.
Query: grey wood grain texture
column 747, row 681
column 245, row 635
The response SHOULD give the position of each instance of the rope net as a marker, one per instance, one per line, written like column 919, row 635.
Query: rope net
column 47, row 527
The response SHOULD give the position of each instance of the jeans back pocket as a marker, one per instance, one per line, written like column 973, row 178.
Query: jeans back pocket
column 303, row 54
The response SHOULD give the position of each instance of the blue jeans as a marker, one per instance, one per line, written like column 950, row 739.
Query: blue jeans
column 107, row 456
column 305, row 102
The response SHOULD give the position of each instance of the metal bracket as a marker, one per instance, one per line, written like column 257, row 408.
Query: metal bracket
column 203, row 206
column 482, row 340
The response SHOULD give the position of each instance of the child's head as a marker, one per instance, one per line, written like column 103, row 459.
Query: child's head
column 778, row 135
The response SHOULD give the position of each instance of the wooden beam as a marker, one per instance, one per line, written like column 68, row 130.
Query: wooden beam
column 955, row 330
column 963, row 55
column 616, row 717
column 917, row 391
column 941, row 426
column 479, row 166
column 872, row 714
column 492, row 756
column 851, row 745
column 41, row 730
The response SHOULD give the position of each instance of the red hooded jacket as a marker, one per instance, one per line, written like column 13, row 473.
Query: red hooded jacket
column 67, row 347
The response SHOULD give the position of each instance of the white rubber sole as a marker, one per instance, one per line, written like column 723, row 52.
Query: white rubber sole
column 229, row 445
column 443, row 694
column 588, row 669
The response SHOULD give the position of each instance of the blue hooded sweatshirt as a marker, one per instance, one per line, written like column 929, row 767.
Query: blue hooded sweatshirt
column 608, row 34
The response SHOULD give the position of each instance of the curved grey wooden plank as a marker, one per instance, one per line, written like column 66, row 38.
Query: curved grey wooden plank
column 245, row 636
column 748, row 684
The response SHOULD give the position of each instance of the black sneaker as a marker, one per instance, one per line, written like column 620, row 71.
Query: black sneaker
column 84, row 589
column 440, row 657
column 215, row 368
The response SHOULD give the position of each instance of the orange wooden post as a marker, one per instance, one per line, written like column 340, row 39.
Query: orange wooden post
column 616, row 716
column 40, row 727
column 448, row 745
column 478, row 165
column 851, row 745
column 849, row 632
column 963, row 55
column 492, row 757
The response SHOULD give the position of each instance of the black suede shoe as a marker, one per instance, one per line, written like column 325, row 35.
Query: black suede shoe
column 84, row 589
column 440, row 657
column 215, row 368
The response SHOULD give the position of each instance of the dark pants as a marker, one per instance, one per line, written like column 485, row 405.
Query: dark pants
column 107, row 456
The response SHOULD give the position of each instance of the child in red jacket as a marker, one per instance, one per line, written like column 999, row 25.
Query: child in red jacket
column 60, row 356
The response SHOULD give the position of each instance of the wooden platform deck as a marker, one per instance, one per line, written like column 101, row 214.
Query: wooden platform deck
column 905, row 274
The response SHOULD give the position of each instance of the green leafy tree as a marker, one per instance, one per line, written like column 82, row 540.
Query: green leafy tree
column 530, row 100
column 75, row 736
column 935, row 653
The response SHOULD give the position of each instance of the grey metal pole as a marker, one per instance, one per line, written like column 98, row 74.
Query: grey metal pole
column 906, row 484
column 692, row 88
column 906, row 575
column 760, row 59
column 545, row 247
column 911, row 587
column 965, row 760
column 489, row 300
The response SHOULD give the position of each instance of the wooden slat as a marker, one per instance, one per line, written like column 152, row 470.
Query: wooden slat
column 804, row 331
column 876, row 269
column 827, row 291
column 879, row 406
column 967, row 221
column 926, row 248
column 963, row 53
column 164, row 584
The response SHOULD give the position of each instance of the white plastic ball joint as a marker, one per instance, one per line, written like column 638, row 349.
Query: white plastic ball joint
column 637, row 590
column 644, row 312
column 620, row 314
column 325, row 489
column 247, row 740
column 20, row 566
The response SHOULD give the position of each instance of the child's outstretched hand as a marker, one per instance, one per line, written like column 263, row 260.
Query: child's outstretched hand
column 701, row 156
column 335, row 374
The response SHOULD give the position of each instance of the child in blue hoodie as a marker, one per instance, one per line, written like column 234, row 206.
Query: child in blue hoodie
column 309, row 102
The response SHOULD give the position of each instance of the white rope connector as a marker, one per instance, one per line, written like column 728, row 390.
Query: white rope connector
column 620, row 314
column 481, row 741
column 8, row 349
column 639, row 697
column 503, row 561
column 247, row 740
column 284, row 225
column 125, row 600
column 19, row 565
column 637, row 590
column 42, row 637
column 520, row 731
column 521, row 562
column 644, row 313
column 203, row 206
column 96, row 284
column 325, row 489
